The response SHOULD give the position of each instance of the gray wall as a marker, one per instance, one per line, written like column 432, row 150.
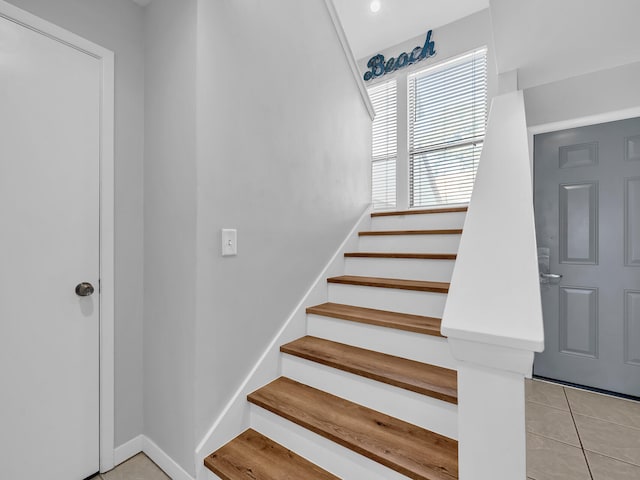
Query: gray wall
column 591, row 94
column 117, row 25
column 282, row 154
column 170, row 227
column 284, row 157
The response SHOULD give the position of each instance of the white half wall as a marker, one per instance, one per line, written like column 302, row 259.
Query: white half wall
column 494, row 296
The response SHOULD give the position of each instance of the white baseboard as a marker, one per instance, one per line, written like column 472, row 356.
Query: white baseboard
column 127, row 450
column 235, row 416
column 164, row 461
column 143, row 444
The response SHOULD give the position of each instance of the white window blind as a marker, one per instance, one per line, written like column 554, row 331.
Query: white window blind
column 384, row 145
column 447, row 118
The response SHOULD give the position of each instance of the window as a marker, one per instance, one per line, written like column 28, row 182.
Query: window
column 384, row 149
column 447, row 118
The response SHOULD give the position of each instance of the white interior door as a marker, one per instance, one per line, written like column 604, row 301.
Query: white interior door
column 49, row 237
column 587, row 200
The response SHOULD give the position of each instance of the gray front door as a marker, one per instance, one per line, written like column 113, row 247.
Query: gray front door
column 587, row 203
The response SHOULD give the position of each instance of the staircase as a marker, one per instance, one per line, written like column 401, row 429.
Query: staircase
column 371, row 391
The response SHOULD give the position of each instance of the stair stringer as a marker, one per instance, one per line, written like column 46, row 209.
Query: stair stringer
column 235, row 417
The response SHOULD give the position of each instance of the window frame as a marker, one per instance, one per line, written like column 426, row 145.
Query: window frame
column 384, row 148
column 461, row 70
column 402, row 79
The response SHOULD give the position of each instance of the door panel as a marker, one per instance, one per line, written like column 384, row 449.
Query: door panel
column 49, row 209
column 579, row 321
column 632, row 222
column 579, row 223
column 632, row 148
column 587, row 202
column 632, row 327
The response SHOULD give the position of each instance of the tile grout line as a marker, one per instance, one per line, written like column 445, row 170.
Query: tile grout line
column 563, row 442
column 626, row 462
column 584, row 454
column 547, row 405
column 599, row 419
column 538, row 434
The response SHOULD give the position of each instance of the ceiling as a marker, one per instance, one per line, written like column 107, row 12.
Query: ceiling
column 397, row 20
column 550, row 40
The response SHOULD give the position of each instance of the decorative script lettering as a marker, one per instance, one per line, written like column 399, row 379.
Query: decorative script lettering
column 378, row 66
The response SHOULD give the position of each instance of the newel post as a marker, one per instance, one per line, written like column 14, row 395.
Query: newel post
column 493, row 315
column 491, row 410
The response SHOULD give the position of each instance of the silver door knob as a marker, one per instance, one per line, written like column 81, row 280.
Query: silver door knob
column 551, row 276
column 84, row 289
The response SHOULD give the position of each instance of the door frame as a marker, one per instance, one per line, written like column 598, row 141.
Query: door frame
column 106, row 211
column 576, row 122
column 604, row 117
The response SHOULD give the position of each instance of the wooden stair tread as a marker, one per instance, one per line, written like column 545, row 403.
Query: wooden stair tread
column 252, row 456
column 413, row 451
column 416, row 285
column 417, row 256
column 377, row 233
column 381, row 318
column 430, row 380
column 420, row 212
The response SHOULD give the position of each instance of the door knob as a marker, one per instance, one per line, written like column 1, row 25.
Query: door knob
column 84, row 289
column 551, row 276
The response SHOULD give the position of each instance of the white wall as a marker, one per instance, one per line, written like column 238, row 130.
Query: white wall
column 170, row 227
column 283, row 156
column 550, row 40
column 583, row 96
column 117, row 25
column 451, row 40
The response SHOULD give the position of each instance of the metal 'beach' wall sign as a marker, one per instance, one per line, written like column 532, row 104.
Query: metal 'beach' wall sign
column 378, row 66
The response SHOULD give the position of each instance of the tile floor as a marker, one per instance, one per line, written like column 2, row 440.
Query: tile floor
column 571, row 435
column 138, row 467
column 579, row 435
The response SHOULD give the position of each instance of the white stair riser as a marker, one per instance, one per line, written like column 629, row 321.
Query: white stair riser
column 334, row 458
column 392, row 299
column 414, row 346
column 419, row 222
column 409, row 243
column 424, row 411
column 409, row 269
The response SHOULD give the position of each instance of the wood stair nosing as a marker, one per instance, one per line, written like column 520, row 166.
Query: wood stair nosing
column 416, row 256
column 377, row 233
column 380, row 318
column 408, row 449
column 430, row 380
column 420, row 211
column 251, row 455
column 400, row 284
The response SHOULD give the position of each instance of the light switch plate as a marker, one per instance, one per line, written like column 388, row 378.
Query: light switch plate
column 229, row 242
